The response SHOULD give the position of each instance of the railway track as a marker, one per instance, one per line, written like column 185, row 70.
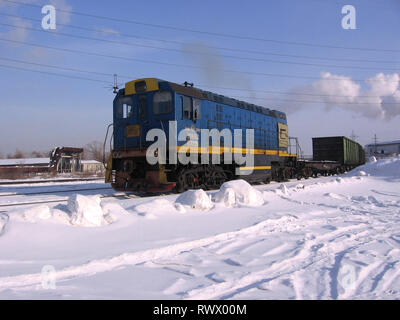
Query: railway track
column 49, row 181
column 53, row 191
column 122, row 196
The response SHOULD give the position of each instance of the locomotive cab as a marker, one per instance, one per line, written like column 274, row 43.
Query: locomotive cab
column 141, row 106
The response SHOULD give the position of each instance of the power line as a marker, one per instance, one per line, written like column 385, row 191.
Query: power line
column 59, row 67
column 178, row 50
column 200, row 85
column 310, row 101
column 103, row 81
column 175, row 64
column 282, row 92
column 224, row 35
column 53, row 74
column 120, row 34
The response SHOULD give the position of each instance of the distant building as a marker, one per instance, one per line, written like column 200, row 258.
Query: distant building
column 91, row 166
column 66, row 159
column 383, row 148
column 20, row 168
column 30, row 162
column 60, row 160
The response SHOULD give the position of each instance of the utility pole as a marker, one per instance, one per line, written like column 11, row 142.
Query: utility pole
column 376, row 141
column 353, row 136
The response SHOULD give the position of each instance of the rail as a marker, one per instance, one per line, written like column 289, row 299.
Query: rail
column 49, row 181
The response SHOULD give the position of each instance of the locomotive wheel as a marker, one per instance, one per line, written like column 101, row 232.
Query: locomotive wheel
column 181, row 185
column 215, row 177
column 186, row 181
column 208, row 177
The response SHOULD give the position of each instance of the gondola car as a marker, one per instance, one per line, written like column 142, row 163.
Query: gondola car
column 332, row 155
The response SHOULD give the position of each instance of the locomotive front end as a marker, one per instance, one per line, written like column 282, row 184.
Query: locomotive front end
column 141, row 106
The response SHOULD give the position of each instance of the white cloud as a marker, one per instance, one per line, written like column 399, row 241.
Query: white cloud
column 63, row 17
column 381, row 100
column 109, row 31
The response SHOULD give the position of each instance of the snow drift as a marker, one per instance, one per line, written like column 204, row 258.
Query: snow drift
column 196, row 199
column 86, row 211
column 41, row 212
column 387, row 167
column 238, row 193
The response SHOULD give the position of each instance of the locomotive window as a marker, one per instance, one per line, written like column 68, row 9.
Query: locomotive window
column 187, row 108
column 140, row 86
column 142, row 102
column 127, row 111
column 196, row 109
column 162, row 102
column 123, row 111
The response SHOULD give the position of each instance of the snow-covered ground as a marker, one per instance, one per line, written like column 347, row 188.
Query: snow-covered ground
column 326, row 238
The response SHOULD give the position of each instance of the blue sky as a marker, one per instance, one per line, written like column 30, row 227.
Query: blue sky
column 41, row 111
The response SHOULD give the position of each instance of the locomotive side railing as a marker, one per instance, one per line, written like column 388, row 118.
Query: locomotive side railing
column 294, row 147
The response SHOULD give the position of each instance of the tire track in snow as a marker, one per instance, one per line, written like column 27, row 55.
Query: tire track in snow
column 108, row 264
column 305, row 258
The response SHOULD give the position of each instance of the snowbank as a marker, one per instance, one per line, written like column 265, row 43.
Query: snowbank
column 372, row 159
column 41, row 212
column 238, row 193
column 283, row 189
column 81, row 211
column 196, row 199
column 86, row 211
column 387, row 167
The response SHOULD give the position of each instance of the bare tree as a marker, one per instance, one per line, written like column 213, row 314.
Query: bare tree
column 17, row 155
column 1, row 156
column 37, row 154
column 93, row 151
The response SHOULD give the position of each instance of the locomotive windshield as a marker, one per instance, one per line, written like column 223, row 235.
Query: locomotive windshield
column 123, row 108
column 162, row 102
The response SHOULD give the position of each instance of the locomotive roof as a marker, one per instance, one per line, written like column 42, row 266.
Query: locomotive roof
column 207, row 95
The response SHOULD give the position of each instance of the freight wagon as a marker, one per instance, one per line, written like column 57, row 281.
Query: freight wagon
column 333, row 155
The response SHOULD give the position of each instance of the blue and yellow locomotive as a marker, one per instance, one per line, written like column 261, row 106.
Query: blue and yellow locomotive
column 150, row 103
